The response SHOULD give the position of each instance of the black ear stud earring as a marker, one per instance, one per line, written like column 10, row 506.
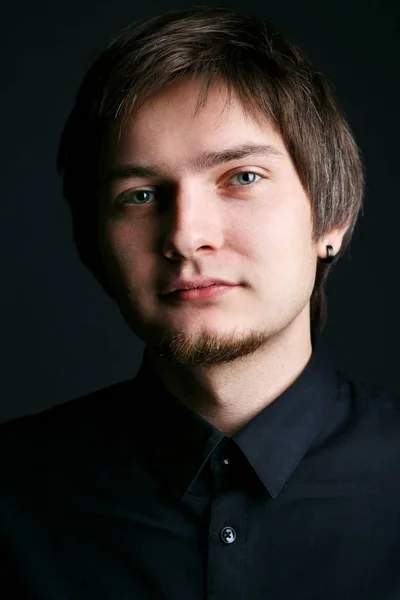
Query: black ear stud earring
column 330, row 256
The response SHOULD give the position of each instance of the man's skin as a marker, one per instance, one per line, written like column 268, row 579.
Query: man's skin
column 236, row 352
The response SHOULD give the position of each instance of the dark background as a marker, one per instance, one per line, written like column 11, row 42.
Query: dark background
column 60, row 334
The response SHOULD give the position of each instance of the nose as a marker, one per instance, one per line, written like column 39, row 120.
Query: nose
column 192, row 223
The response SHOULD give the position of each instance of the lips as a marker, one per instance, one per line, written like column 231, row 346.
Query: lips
column 198, row 293
column 199, row 283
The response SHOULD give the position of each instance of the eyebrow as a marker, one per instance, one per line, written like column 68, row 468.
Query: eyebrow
column 205, row 161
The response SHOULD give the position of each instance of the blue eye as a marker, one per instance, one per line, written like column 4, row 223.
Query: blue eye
column 142, row 196
column 247, row 175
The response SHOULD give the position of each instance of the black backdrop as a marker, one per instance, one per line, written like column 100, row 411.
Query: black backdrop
column 60, row 335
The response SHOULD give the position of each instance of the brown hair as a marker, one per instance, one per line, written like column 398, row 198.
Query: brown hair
column 266, row 72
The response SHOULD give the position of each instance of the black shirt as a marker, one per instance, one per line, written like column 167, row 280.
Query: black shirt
column 127, row 494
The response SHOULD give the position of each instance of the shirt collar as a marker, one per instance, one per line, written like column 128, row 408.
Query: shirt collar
column 274, row 442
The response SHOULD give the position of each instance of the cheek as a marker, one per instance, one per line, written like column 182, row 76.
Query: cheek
column 281, row 242
column 124, row 250
column 278, row 229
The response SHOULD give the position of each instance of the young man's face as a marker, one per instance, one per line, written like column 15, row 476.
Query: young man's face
column 253, row 231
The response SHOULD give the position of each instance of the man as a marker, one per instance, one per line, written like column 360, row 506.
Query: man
column 212, row 180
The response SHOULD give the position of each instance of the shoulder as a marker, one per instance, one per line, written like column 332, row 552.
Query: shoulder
column 370, row 417
column 359, row 444
column 51, row 459
column 374, row 400
column 71, row 421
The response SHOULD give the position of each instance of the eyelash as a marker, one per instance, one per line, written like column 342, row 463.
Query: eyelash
column 249, row 185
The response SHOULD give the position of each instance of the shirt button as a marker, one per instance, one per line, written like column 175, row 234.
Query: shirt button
column 228, row 535
column 225, row 461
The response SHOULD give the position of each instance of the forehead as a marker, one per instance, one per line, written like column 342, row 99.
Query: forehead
column 173, row 120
